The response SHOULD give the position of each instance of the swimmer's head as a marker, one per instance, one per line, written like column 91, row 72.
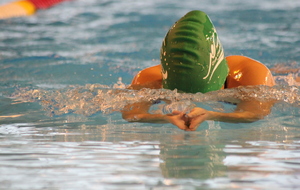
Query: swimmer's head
column 192, row 56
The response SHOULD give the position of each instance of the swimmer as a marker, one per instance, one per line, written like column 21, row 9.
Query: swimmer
column 192, row 60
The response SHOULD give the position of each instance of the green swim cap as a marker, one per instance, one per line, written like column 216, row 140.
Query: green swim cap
column 192, row 56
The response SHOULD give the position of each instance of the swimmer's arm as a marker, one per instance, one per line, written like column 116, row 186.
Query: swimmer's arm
column 138, row 112
column 246, row 112
column 144, row 117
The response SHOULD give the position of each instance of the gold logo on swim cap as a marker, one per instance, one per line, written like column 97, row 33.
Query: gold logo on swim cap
column 164, row 74
column 214, row 54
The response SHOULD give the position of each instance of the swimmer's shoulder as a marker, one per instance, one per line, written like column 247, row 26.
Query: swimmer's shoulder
column 150, row 77
column 244, row 71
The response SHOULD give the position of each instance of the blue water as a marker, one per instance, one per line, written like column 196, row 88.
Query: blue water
column 59, row 122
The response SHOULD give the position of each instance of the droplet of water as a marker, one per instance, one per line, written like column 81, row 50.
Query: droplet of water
column 119, row 84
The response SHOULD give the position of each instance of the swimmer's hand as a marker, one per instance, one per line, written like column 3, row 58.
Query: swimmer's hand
column 178, row 119
column 188, row 122
column 196, row 117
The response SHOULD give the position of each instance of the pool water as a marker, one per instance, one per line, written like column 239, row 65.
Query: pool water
column 63, row 72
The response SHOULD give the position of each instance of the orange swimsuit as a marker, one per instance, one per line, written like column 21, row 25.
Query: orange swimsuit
column 243, row 71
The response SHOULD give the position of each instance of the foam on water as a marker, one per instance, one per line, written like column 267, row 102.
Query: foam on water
column 93, row 98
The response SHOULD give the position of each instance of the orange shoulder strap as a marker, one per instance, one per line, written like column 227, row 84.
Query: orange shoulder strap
column 148, row 75
column 244, row 71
